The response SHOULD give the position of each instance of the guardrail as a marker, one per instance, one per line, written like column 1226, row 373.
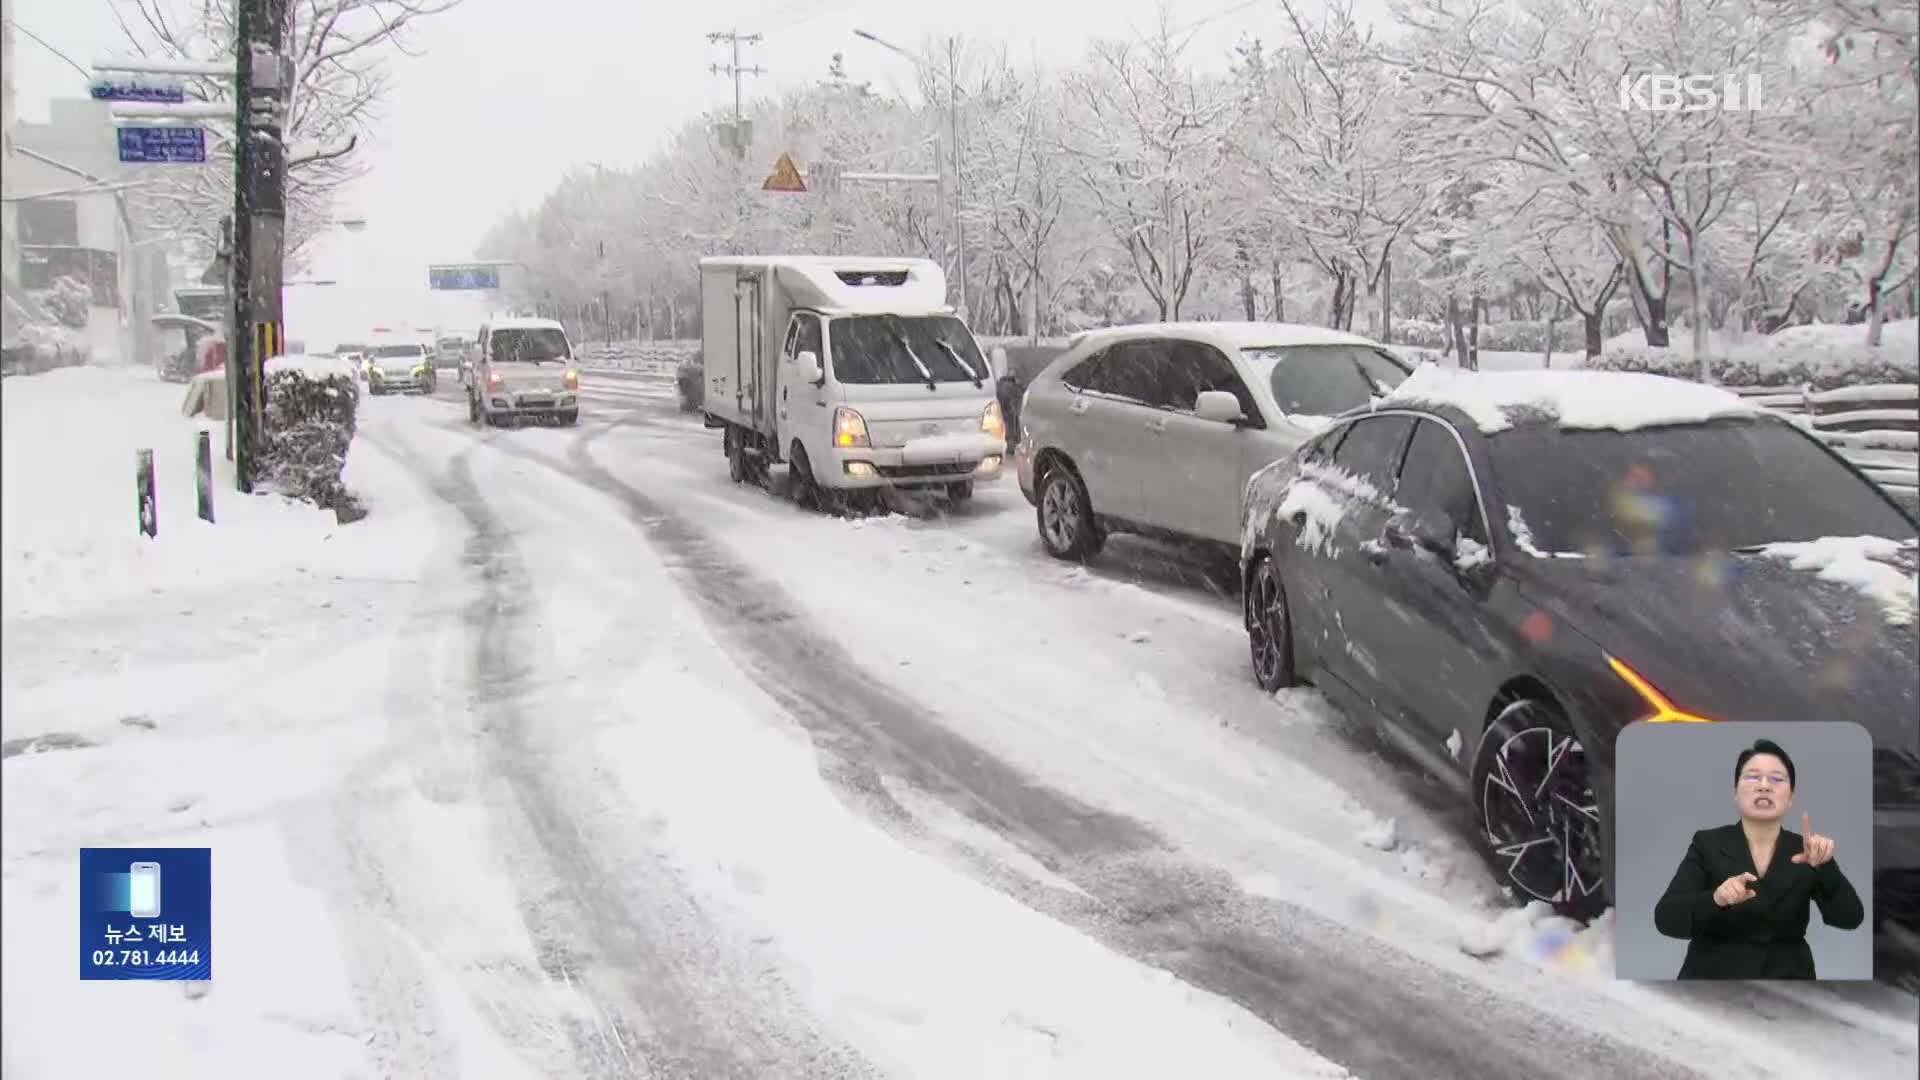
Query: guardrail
column 650, row 357
column 1875, row 426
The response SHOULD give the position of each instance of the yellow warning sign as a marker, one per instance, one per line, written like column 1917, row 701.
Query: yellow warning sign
column 785, row 176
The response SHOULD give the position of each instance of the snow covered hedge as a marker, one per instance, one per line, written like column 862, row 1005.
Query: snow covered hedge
column 1824, row 357
column 1509, row 336
column 310, row 421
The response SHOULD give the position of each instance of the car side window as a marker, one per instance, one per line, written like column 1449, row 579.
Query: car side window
column 1083, row 375
column 807, row 331
column 1320, row 450
column 1371, row 449
column 1435, row 481
column 1215, row 372
column 1127, row 371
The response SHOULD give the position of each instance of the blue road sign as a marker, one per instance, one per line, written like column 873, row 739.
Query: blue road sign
column 151, row 145
column 463, row 277
column 170, row 92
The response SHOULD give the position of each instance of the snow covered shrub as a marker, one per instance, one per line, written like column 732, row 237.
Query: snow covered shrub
column 309, row 426
column 68, row 301
column 1823, row 356
column 1419, row 334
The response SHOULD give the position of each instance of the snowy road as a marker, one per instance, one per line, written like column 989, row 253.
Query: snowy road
column 962, row 687
column 644, row 774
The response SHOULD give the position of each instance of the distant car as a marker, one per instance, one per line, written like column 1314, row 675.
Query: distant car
column 690, row 379
column 398, row 369
column 450, row 353
column 523, row 370
column 1494, row 573
column 1154, row 429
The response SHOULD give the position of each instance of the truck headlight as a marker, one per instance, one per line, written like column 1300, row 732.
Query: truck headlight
column 993, row 423
column 849, row 428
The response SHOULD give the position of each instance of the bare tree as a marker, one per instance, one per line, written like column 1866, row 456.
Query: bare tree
column 337, row 49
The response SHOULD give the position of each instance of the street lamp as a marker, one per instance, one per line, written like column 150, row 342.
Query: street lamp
column 953, row 122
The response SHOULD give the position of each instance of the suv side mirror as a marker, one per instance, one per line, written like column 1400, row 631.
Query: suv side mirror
column 808, row 362
column 1218, row 406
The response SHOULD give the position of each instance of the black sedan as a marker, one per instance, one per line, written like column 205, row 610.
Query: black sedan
column 1520, row 590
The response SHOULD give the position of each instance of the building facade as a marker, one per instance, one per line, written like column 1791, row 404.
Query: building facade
column 78, row 241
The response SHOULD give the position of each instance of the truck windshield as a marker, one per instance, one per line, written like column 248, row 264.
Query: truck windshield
column 530, row 345
column 931, row 349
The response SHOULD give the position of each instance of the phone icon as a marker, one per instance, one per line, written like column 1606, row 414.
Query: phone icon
column 143, row 890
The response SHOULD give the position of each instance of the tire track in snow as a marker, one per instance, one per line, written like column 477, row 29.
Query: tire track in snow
column 1313, row 979
column 618, row 941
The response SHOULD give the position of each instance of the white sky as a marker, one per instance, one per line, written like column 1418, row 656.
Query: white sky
column 569, row 82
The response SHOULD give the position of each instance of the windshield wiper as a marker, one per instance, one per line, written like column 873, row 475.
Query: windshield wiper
column 964, row 366
column 915, row 357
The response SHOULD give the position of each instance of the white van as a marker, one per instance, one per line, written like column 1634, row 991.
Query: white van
column 523, row 368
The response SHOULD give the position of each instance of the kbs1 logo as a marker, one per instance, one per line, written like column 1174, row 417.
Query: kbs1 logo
column 1649, row 92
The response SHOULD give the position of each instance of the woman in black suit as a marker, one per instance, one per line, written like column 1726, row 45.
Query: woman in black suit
column 1741, row 896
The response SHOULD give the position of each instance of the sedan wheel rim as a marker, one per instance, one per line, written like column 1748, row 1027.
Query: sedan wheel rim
column 1541, row 815
column 1060, row 516
column 1266, row 623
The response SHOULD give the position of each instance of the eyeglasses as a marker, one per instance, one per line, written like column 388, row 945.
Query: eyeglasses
column 1776, row 779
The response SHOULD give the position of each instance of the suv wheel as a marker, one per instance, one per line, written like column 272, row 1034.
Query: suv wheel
column 1065, row 515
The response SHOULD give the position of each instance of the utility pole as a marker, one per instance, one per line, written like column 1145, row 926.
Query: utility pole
column 735, row 39
column 256, row 329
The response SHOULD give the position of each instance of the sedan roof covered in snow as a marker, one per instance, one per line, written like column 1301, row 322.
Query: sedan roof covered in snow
column 1591, row 400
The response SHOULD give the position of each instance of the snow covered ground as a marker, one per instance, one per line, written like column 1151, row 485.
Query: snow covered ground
column 574, row 759
column 622, row 853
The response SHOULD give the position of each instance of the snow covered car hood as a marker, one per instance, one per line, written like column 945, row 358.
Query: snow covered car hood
column 1763, row 636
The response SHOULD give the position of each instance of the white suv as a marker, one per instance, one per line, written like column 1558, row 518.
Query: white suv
column 1155, row 429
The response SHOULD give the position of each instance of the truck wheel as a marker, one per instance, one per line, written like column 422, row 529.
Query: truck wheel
column 736, row 456
column 806, row 490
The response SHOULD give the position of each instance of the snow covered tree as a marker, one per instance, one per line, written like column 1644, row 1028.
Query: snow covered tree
column 1148, row 137
column 1331, row 143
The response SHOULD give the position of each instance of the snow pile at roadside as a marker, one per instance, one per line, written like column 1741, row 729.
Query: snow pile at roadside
column 215, row 685
column 1866, row 563
column 1534, row 934
column 71, row 536
column 1826, row 356
column 1588, row 400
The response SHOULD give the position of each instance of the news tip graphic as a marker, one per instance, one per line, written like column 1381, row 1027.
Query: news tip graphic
column 146, row 913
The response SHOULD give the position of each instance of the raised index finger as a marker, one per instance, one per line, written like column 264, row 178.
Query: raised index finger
column 1806, row 824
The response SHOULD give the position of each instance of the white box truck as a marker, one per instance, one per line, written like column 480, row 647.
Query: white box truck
column 853, row 371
